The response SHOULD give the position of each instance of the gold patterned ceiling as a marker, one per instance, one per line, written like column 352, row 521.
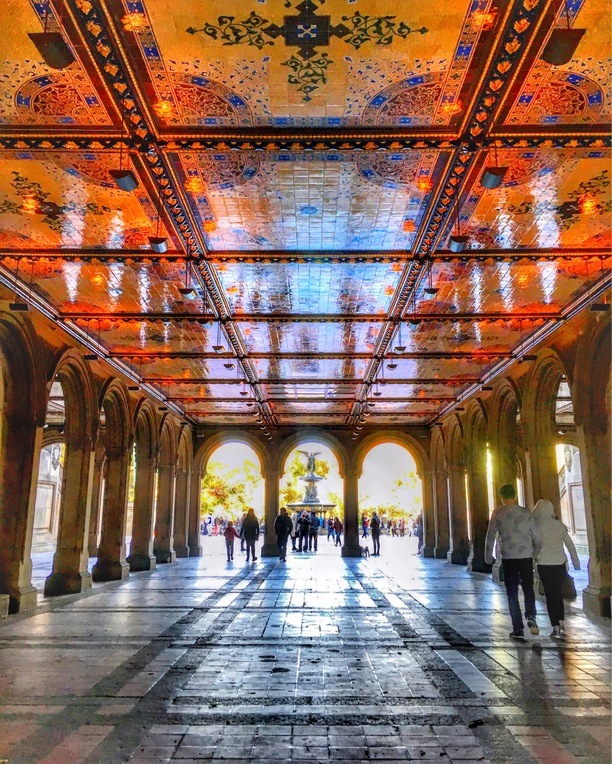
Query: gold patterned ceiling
column 307, row 163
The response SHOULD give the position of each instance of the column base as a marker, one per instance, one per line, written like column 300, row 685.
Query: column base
column 164, row 556
column 4, row 605
column 110, row 570
column 141, row 562
column 351, row 550
column 427, row 551
column 596, row 600
column 67, row 583
column 23, row 599
column 181, row 550
column 457, row 557
column 440, row 552
column 195, row 551
column 269, row 550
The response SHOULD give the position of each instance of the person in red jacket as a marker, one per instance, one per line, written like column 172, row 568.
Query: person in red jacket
column 338, row 528
column 230, row 534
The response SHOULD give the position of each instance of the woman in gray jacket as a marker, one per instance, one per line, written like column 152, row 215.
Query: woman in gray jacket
column 552, row 563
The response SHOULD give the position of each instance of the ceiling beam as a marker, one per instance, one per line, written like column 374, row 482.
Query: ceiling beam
column 312, row 381
column 312, row 356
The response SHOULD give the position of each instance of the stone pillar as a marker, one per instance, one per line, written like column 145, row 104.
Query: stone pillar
column 429, row 523
column 479, row 511
column 181, row 512
column 194, row 539
column 594, row 446
column 350, row 547
column 543, row 469
column 459, row 548
column 96, row 499
column 164, row 520
column 141, row 548
column 111, row 564
column 70, row 572
column 441, row 514
column 269, row 548
column 21, row 445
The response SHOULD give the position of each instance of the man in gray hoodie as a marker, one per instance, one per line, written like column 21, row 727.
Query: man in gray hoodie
column 520, row 541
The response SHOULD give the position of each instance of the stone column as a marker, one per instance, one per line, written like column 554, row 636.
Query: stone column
column 21, row 445
column 441, row 514
column 194, row 536
column 459, row 548
column 164, row 520
column 594, row 446
column 543, row 469
column 271, row 507
column 141, row 548
column 479, row 512
column 96, row 499
column 181, row 512
column 70, row 572
column 111, row 564
column 429, row 523
column 350, row 547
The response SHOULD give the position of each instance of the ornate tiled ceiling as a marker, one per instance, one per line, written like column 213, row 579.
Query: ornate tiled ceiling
column 307, row 163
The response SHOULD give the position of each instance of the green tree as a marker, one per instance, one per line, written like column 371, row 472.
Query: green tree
column 229, row 491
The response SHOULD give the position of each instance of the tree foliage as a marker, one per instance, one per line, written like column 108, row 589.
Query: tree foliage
column 229, row 492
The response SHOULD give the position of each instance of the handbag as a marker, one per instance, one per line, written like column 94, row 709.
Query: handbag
column 568, row 588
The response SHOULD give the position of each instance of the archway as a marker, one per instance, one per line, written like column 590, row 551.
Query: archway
column 70, row 571
column 459, row 530
column 440, row 493
column 390, row 484
column 232, row 482
column 163, row 547
column 141, row 555
column 183, row 490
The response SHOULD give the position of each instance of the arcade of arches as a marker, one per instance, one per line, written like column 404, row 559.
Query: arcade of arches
column 101, row 425
column 278, row 223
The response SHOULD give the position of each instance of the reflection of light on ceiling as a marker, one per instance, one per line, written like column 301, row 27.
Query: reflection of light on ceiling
column 505, row 284
column 143, row 335
column 144, row 285
column 115, row 277
column 477, row 290
column 132, row 22
column 547, row 271
column 71, row 276
column 29, row 205
column 163, row 108
column 115, row 237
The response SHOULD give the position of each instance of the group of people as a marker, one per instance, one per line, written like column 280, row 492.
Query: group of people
column 249, row 533
column 303, row 528
column 523, row 537
column 376, row 526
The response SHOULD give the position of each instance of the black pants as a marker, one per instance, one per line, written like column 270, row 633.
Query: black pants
column 313, row 540
column 303, row 541
column 250, row 548
column 519, row 571
column 552, row 577
column 281, row 543
column 376, row 543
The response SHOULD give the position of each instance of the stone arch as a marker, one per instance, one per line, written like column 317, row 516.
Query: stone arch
column 146, row 434
column 440, row 492
column 475, row 438
column 503, row 433
column 538, row 418
column 166, row 492
column 456, row 465
column 212, row 443
column 182, row 492
column 22, row 415
column 114, row 401
column 591, row 398
column 70, row 572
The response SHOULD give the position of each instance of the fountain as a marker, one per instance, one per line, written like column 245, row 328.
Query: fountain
column 311, row 499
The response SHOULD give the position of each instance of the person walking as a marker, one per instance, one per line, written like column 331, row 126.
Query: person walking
column 282, row 527
column 552, row 563
column 303, row 529
column 338, row 528
column 294, row 532
column 230, row 534
column 313, row 531
column 375, row 531
column 365, row 524
column 241, row 533
column 418, row 532
column 250, row 533
column 520, row 542
column 330, row 528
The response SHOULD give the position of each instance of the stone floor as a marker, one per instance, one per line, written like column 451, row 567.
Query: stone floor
column 320, row 659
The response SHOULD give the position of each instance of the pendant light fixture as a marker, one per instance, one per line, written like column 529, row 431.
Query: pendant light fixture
column 524, row 357
column 158, row 243
column 400, row 347
column 125, row 179
column 53, row 49
column 219, row 347
column 493, row 175
column 562, row 43
column 18, row 306
column 430, row 290
column 600, row 307
column 457, row 242
column 188, row 291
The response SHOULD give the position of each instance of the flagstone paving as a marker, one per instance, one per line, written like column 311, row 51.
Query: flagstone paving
column 320, row 659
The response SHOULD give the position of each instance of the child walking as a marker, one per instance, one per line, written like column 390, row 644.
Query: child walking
column 230, row 534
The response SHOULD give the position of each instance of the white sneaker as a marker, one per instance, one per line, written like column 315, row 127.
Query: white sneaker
column 555, row 633
column 533, row 627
